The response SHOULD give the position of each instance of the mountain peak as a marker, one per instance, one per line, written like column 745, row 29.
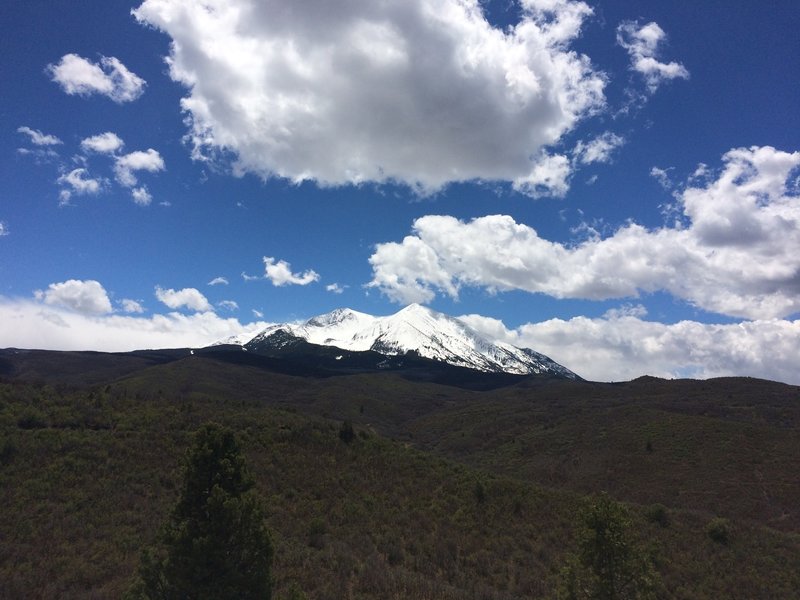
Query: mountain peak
column 414, row 308
column 419, row 329
column 340, row 315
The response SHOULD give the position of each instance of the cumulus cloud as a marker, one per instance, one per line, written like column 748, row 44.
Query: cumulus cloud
column 421, row 92
column 104, row 143
column 733, row 252
column 38, row 138
column 3, row 229
column 335, row 288
column 85, row 297
column 141, row 196
column 218, row 281
column 622, row 346
column 549, row 176
column 642, row 44
column 78, row 182
column 131, row 306
column 126, row 165
column 33, row 324
column 109, row 77
column 280, row 273
column 598, row 150
column 186, row 298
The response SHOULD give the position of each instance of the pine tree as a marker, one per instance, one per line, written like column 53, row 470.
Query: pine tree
column 216, row 544
column 608, row 565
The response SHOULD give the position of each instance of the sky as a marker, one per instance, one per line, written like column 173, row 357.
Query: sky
column 615, row 184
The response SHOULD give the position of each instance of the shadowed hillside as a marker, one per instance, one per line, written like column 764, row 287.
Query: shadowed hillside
column 445, row 492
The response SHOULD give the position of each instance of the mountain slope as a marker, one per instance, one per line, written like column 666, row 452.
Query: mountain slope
column 414, row 329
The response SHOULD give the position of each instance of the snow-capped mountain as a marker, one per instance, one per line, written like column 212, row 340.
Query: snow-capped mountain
column 414, row 329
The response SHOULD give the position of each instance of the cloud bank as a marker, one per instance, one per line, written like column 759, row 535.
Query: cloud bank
column 33, row 324
column 421, row 92
column 623, row 346
column 77, row 315
column 734, row 251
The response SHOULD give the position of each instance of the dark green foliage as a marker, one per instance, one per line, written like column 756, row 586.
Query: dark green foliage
column 719, row 530
column 216, row 544
column 7, row 452
column 657, row 513
column 480, row 492
column 608, row 564
column 316, row 533
column 83, row 495
column 346, row 433
column 295, row 593
column 31, row 419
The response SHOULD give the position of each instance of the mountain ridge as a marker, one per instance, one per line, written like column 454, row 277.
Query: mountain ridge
column 415, row 329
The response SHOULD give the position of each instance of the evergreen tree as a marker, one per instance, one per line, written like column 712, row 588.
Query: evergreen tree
column 608, row 565
column 216, row 544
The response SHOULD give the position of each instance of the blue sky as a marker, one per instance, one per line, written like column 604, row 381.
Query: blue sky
column 614, row 184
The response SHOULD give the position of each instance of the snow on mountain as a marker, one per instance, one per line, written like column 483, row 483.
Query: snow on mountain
column 240, row 339
column 417, row 329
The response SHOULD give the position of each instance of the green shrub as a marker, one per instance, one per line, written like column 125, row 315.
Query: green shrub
column 31, row 419
column 719, row 530
column 346, row 433
column 657, row 513
column 316, row 533
column 7, row 452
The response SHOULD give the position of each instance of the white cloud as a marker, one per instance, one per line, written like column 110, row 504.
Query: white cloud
column 642, row 45
column 141, row 196
column 335, row 288
column 131, row 306
column 549, row 176
column 85, row 297
column 104, row 143
column 228, row 305
column 38, row 138
column 662, row 177
column 258, row 314
column 77, row 75
column 31, row 324
column 280, row 273
column 187, row 297
column 3, row 229
column 218, row 281
column 421, row 92
column 623, row 346
column 626, row 310
column 78, row 182
column 126, row 165
column 599, row 149
column 735, row 255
